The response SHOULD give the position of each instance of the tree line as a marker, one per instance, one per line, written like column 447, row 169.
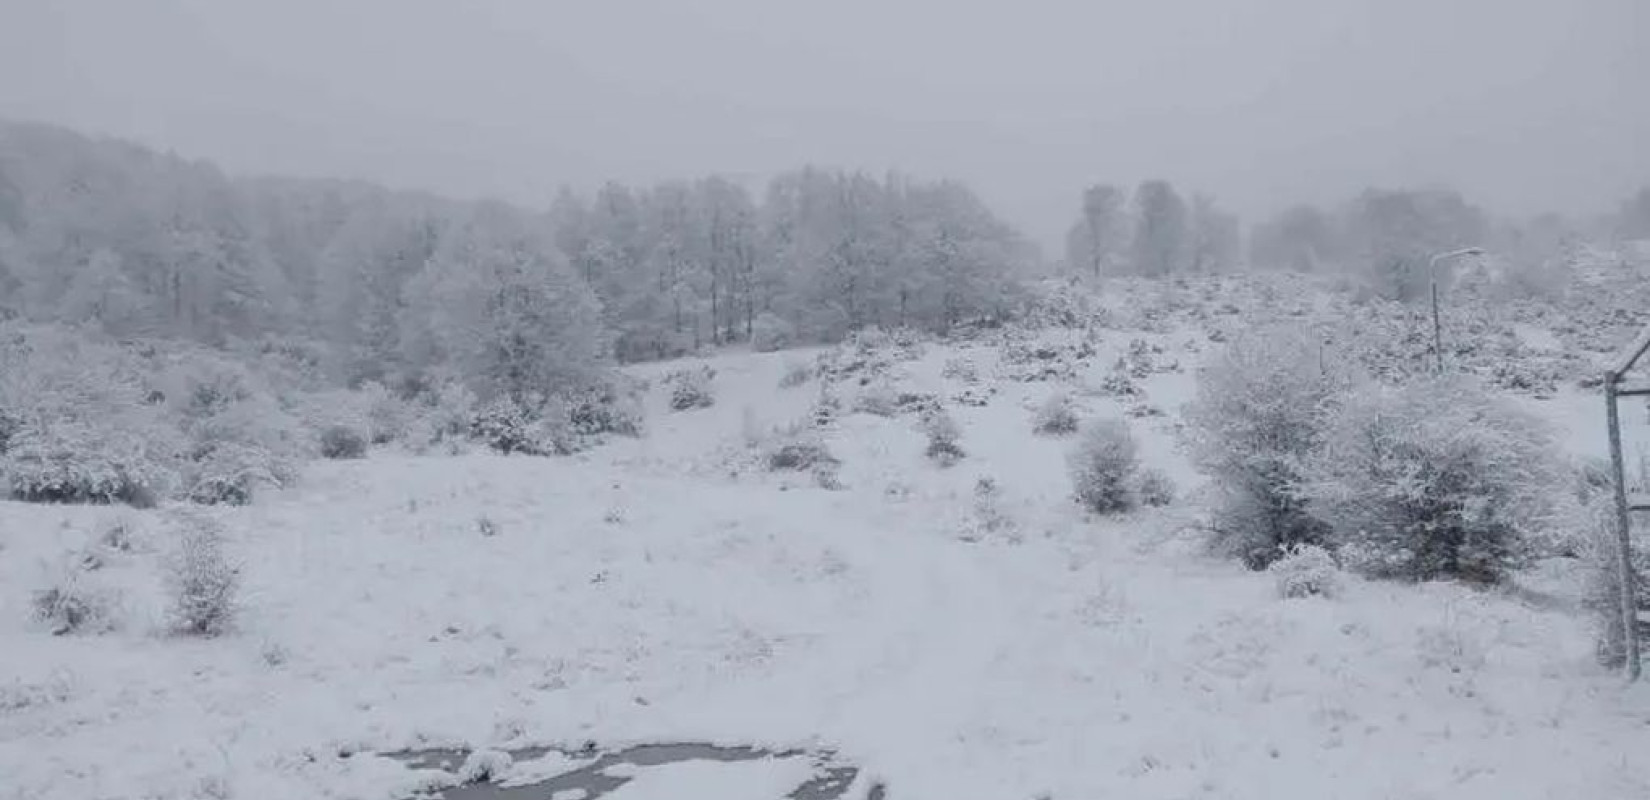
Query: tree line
column 1383, row 237
column 395, row 285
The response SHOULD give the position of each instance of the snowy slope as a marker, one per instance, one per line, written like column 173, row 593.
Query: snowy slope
column 662, row 589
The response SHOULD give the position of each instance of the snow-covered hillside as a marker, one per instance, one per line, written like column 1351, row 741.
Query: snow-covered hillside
column 668, row 588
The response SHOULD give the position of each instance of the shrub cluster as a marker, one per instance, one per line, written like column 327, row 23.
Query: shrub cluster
column 1433, row 478
column 1056, row 416
column 691, row 388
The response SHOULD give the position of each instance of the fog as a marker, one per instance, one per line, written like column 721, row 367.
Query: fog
column 1525, row 105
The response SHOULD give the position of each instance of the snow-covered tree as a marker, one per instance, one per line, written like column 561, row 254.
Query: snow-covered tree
column 1215, row 241
column 1302, row 238
column 1633, row 221
column 1097, row 240
column 497, row 305
column 1393, row 234
column 1160, row 232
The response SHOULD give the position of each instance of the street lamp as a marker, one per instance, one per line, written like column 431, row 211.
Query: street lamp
column 1437, row 325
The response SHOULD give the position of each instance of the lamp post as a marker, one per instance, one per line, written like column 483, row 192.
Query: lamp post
column 1437, row 324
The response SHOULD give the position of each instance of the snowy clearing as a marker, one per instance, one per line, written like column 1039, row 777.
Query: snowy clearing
column 665, row 589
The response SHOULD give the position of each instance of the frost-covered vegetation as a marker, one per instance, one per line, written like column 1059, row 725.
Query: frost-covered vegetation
column 1103, row 466
column 906, row 540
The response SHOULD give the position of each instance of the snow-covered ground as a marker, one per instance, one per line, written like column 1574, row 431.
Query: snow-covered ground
column 664, row 589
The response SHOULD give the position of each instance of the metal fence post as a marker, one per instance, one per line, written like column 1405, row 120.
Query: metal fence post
column 1624, row 540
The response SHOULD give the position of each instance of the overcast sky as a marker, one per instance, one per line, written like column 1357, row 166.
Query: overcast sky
column 1526, row 105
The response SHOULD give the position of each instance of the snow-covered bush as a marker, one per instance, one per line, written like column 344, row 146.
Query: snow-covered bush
column 449, row 413
column 1452, row 646
column 878, row 399
column 1260, row 410
column 1102, row 467
column 921, row 404
column 827, row 407
column 989, row 517
column 389, row 418
column 944, row 437
column 1119, row 382
column 506, row 426
column 1139, row 361
column 1153, row 488
column 1435, row 479
column 75, row 604
column 1056, row 416
column 1304, row 570
column 342, row 441
column 84, row 462
column 238, row 436
column 796, row 374
column 612, row 405
column 484, row 765
column 79, row 425
column 691, row 388
column 204, row 585
column 770, row 332
column 798, row 453
column 960, row 368
column 229, row 473
column 1039, row 360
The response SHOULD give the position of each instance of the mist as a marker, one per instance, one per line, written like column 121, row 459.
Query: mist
column 1524, row 106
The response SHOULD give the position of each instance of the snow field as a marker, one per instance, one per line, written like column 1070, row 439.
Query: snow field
column 670, row 589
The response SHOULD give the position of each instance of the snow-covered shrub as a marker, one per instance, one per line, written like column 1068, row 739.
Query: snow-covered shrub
column 74, row 604
column 827, row 407
column 1139, row 361
column 120, row 535
column 960, row 368
column 1304, row 570
column 79, row 426
column 921, row 404
column 85, row 462
column 1451, row 646
column 10, row 426
column 770, row 332
column 691, row 388
column 229, row 473
column 1056, row 416
column 238, row 435
column 1260, row 410
column 389, row 418
column 612, row 405
column 342, row 441
column 1435, row 479
column 796, row 374
column 1043, row 360
column 1119, row 381
column 798, row 453
column 506, row 426
column 989, row 517
column 1102, row 467
column 204, row 585
column 1153, row 488
column 449, row 413
column 943, row 438
column 878, row 398
column 484, row 765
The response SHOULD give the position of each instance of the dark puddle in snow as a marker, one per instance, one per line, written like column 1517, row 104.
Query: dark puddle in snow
column 590, row 779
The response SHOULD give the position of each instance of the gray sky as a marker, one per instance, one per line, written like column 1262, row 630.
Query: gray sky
column 1526, row 105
